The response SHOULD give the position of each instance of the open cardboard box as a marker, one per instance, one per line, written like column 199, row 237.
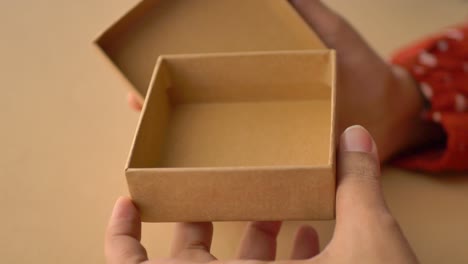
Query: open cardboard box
column 237, row 136
column 160, row 27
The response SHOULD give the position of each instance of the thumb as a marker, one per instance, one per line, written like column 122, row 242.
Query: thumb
column 364, row 229
column 359, row 193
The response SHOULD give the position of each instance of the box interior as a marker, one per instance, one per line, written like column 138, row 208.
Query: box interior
column 156, row 27
column 238, row 110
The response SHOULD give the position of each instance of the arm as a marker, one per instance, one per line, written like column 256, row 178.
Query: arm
column 381, row 97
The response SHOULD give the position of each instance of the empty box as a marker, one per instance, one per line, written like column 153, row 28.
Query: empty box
column 237, row 136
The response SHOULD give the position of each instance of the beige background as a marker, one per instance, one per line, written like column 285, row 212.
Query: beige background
column 66, row 132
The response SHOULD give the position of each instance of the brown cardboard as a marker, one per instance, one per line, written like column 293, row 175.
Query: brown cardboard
column 159, row 27
column 237, row 136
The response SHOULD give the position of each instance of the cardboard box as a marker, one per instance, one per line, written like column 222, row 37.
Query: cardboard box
column 241, row 136
column 160, row 27
column 237, row 136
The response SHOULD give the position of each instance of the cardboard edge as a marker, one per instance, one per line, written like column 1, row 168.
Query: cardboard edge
column 333, row 132
column 230, row 168
column 244, row 53
column 143, row 111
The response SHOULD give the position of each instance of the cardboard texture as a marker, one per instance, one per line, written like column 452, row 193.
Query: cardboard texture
column 159, row 27
column 242, row 134
column 237, row 136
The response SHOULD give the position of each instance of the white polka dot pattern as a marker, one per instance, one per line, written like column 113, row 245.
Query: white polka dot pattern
column 455, row 34
column 426, row 90
column 427, row 59
column 460, row 103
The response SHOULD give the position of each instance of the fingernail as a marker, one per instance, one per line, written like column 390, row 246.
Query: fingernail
column 356, row 138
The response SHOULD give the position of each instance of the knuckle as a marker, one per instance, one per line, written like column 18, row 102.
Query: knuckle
column 387, row 220
column 198, row 245
column 381, row 220
column 269, row 229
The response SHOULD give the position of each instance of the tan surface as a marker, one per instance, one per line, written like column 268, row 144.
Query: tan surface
column 66, row 132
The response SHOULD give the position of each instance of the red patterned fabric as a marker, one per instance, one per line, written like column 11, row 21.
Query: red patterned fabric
column 440, row 65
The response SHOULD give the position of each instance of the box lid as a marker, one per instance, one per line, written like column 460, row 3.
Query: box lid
column 155, row 27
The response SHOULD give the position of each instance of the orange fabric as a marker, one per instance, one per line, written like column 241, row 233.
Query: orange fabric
column 440, row 65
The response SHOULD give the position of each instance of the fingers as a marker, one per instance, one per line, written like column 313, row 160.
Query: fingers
column 322, row 19
column 331, row 27
column 306, row 243
column 122, row 242
column 192, row 241
column 336, row 33
column 259, row 241
column 359, row 192
column 134, row 101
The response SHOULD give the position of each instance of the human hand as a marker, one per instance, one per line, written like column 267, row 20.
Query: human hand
column 381, row 97
column 372, row 93
column 365, row 230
